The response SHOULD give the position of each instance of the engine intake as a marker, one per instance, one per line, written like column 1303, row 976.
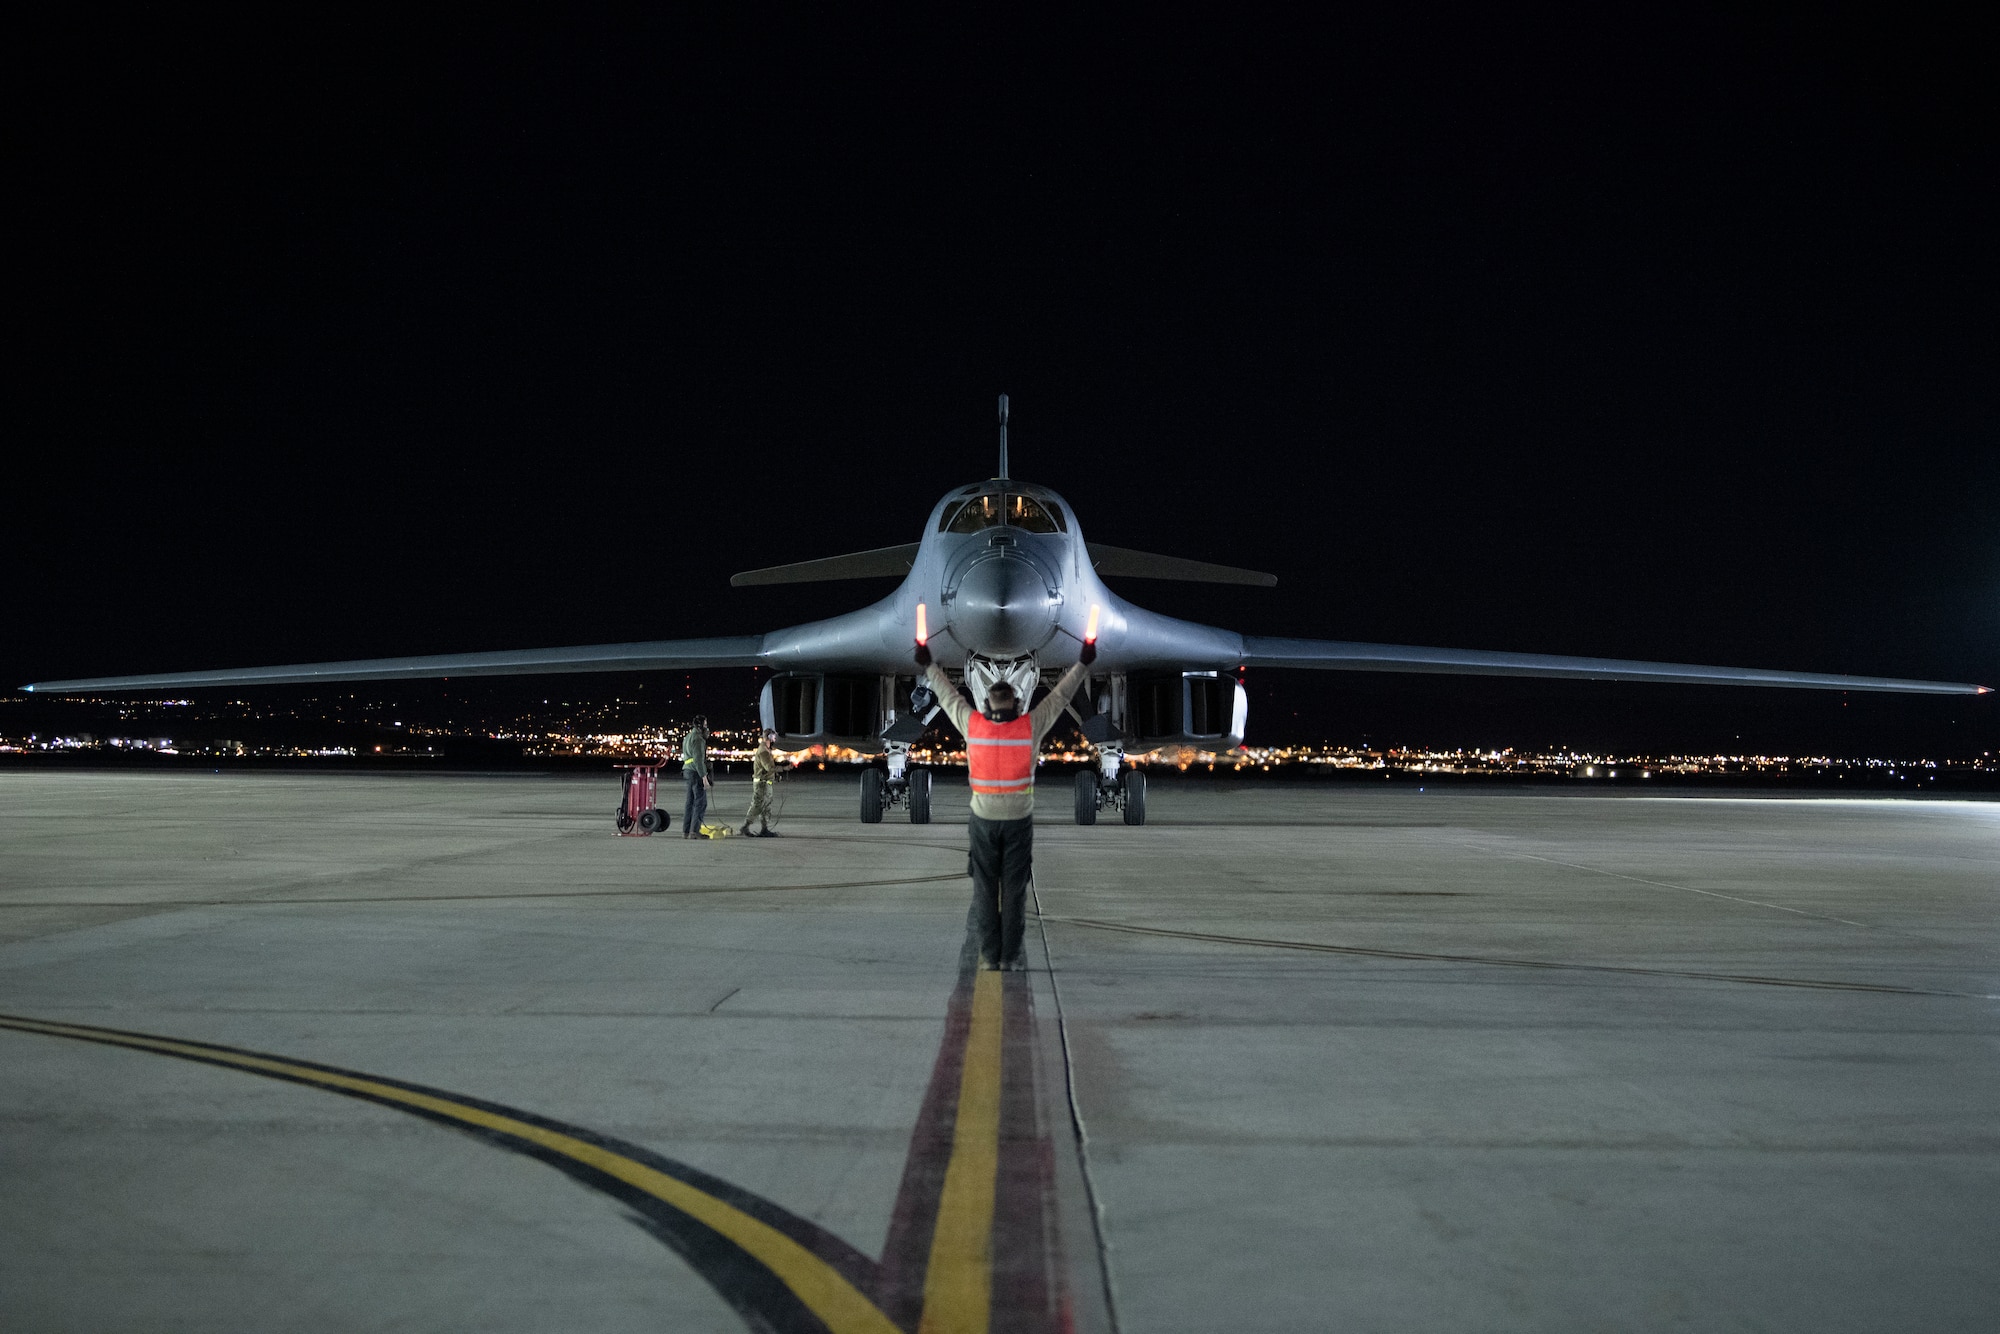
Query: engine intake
column 822, row 709
column 1204, row 709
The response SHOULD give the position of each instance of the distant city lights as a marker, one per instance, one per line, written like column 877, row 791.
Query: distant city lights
column 611, row 731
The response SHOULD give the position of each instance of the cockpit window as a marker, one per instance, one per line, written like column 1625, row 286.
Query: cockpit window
column 1031, row 516
column 975, row 514
column 1013, row 509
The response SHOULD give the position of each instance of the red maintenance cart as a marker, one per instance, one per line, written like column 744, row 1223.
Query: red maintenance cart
column 639, row 813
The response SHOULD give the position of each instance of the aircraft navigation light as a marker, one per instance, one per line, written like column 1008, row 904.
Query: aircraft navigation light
column 1089, row 631
column 923, row 630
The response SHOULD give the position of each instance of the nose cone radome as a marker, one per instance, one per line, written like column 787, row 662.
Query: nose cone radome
column 1002, row 608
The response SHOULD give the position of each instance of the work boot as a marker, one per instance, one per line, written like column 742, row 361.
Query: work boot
column 744, row 831
column 765, row 832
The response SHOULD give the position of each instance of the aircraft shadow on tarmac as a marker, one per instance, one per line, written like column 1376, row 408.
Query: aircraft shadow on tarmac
column 972, row 1240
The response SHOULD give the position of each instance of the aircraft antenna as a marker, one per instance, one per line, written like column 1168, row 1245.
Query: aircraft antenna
column 1003, row 437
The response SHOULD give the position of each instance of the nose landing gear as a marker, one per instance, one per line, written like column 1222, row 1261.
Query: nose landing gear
column 900, row 784
column 1126, row 793
column 882, row 792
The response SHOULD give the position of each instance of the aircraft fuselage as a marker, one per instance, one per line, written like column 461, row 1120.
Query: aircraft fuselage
column 1002, row 580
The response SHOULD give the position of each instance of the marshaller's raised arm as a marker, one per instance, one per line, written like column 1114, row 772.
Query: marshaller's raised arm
column 946, row 690
column 1045, row 714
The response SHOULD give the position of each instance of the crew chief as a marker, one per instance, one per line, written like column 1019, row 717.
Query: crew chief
column 1000, row 747
column 694, row 769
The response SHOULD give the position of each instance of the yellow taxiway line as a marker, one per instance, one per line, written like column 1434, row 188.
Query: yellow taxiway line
column 958, row 1285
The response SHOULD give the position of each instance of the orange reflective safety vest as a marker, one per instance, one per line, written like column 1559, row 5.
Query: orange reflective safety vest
column 1001, row 756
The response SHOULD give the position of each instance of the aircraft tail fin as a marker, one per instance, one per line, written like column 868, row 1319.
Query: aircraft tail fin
column 1003, row 473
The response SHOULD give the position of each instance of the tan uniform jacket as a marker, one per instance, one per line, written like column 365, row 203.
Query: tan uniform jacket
column 763, row 766
column 1015, row 805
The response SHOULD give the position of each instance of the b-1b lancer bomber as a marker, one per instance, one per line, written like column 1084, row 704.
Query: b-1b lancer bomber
column 1004, row 587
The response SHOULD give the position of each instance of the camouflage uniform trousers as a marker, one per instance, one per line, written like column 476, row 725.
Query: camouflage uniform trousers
column 760, row 803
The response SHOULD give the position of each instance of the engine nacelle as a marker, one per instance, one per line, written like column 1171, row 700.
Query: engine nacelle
column 820, row 709
column 1205, row 710
column 832, row 709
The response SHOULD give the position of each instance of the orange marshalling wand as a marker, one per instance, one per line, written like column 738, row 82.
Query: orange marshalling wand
column 923, row 629
column 1089, row 631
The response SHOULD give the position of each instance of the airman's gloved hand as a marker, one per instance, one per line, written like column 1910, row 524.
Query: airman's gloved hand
column 1088, row 653
column 923, row 655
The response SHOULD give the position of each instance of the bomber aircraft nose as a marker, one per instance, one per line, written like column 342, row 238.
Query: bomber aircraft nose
column 1002, row 608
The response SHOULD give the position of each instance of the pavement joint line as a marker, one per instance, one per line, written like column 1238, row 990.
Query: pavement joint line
column 877, row 842
column 1077, row 1126
column 1493, row 961
column 460, row 898
column 1686, row 889
column 780, row 1272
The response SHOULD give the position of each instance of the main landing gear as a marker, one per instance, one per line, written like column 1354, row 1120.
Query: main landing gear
column 881, row 791
column 1127, row 792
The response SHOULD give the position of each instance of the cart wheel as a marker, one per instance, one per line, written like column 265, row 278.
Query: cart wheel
column 653, row 821
column 920, row 796
column 871, row 796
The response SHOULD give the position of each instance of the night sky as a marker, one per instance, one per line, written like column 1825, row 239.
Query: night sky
column 1642, row 334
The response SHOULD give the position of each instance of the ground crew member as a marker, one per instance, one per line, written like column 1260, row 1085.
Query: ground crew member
column 694, row 771
column 763, row 782
column 1000, row 746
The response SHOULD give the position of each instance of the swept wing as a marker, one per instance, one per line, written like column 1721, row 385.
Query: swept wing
column 1123, row 562
column 880, row 563
column 651, row 655
column 1343, row 656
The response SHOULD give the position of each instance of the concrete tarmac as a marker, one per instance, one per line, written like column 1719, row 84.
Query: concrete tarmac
column 299, row 1052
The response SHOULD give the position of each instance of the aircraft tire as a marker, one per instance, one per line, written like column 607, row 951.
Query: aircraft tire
column 871, row 796
column 1135, row 796
column 920, row 795
column 1086, row 797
